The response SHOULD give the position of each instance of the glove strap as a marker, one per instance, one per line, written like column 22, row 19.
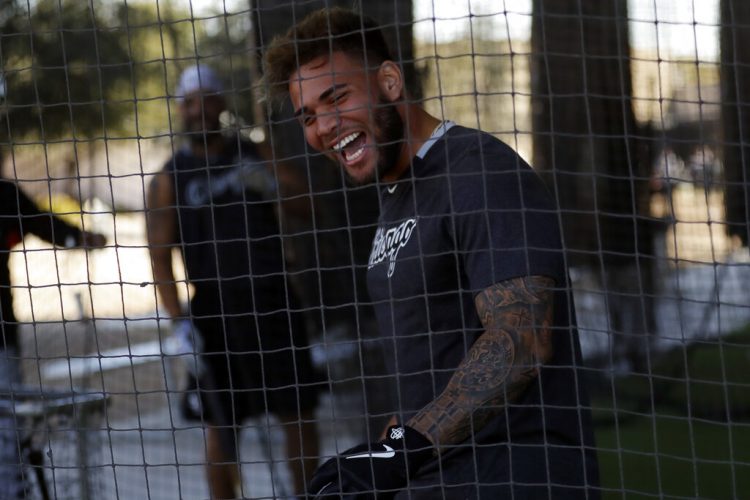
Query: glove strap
column 416, row 447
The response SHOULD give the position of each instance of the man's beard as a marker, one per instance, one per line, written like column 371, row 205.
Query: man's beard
column 389, row 139
column 199, row 134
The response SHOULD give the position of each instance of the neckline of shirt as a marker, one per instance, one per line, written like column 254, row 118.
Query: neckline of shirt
column 439, row 131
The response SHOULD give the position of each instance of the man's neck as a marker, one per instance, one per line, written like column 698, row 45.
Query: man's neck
column 419, row 126
column 210, row 144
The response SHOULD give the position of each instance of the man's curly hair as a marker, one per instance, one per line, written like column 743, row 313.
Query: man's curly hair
column 319, row 34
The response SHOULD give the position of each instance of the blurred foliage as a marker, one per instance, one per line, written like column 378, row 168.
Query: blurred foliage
column 60, row 67
column 79, row 70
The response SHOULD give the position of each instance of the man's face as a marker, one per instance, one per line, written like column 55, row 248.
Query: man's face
column 346, row 116
column 200, row 114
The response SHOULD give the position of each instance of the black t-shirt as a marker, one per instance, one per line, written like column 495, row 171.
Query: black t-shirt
column 467, row 216
column 228, row 227
column 18, row 217
column 243, row 305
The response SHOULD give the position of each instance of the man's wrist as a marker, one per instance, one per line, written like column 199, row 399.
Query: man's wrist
column 417, row 448
column 186, row 338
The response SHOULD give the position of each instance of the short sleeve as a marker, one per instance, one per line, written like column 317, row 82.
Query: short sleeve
column 504, row 221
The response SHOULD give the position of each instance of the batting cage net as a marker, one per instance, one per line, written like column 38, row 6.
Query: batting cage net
column 517, row 230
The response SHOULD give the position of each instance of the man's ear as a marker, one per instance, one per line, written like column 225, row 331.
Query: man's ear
column 390, row 81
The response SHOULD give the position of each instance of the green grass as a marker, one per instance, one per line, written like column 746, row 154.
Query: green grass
column 674, row 457
column 666, row 434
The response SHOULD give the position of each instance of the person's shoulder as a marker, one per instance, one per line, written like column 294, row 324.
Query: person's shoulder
column 483, row 164
column 8, row 195
column 471, row 151
column 7, row 185
column 181, row 154
column 11, row 193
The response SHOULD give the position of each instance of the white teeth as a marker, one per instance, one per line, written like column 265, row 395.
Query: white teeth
column 355, row 155
column 346, row 140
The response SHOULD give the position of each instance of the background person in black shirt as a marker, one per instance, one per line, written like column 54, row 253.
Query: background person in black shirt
column 467, row 278
column 216, row 199
column 19, row 216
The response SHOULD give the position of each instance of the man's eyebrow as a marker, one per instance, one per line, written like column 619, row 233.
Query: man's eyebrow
column 325, row 95
column 322, row 97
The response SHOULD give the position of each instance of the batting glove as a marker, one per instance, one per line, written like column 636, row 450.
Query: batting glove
column 188, row 344
column 375, row 470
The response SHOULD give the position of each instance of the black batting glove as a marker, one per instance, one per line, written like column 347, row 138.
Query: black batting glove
column 375, row 470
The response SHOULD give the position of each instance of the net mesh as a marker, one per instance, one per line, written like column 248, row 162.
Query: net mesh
column 634, row 114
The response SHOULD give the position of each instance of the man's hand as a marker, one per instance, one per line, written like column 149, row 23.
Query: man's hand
column 377, row 470
column 188, row 344
column 85, row 239
column 92, row 240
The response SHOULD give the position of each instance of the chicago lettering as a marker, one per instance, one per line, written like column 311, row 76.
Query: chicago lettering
column 387, row 244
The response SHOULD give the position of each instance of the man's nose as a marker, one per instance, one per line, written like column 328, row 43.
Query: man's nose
column 327, row 124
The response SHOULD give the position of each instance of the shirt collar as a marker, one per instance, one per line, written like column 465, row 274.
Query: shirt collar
column 441, row 129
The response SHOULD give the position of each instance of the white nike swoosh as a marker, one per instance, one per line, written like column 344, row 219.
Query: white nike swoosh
column 329, row 483
column 388, row 453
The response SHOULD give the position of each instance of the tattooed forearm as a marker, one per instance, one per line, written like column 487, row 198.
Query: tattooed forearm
column 516, row 315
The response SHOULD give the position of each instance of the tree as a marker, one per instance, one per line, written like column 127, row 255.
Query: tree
column 735, row 98
column 585, row 144
column 60, row 69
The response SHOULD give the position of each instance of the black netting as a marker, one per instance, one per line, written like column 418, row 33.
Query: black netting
column 139, row 223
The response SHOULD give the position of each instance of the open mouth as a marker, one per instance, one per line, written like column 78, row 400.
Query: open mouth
column 351, row 147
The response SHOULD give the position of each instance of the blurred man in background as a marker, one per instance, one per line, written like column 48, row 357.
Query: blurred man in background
column 216, row 199
column 19, row 216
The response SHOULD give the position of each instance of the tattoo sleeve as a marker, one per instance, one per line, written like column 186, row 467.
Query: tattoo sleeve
column 504, row 360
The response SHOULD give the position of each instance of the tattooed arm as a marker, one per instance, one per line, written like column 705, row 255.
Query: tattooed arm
column 505, row 359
